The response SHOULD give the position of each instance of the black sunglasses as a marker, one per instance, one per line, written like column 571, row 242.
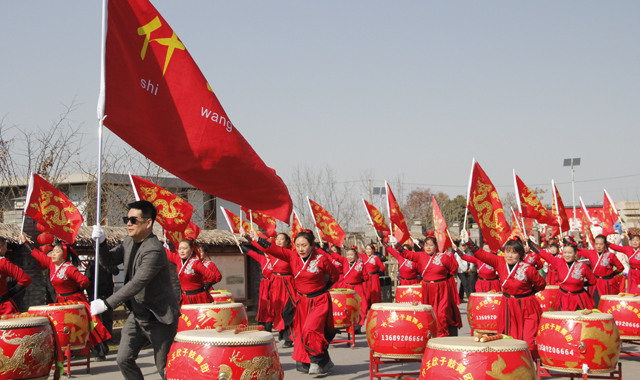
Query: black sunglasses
column 131, row 219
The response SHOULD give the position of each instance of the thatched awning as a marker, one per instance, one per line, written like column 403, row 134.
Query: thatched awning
column 116, row 234
column 11, row 232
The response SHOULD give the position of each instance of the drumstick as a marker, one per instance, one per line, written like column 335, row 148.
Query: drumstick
column 249, row 328
column 224, row 328
column 221, row 302
column 486, row 339
column 477, row 337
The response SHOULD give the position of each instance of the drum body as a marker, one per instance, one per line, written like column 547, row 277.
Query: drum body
column 71, row 323
column 207, row 354
column 568, row 339
column 346, row 307
column 400, row 330
column 547, row 297
column 27, row 348
column 463, row 358
column 482, row 312
column 221, row 296
column 626, row 313
column 409, row 294
column 210, row 315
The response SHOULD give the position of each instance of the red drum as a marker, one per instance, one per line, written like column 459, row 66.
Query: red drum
column 210, row 315
column 568, row 339
column 409, row 294
column 482, row 312
column 71, row 322
column 221, row 296
column 27, row 348
column 207, row 354
column 547, row 297
column 400, row 331
column 464, row 358
column 346, row 307
column 626, row 313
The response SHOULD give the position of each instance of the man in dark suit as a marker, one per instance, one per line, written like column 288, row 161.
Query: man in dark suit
column 147, row 291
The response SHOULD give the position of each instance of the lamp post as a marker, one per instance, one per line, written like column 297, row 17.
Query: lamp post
column 573, row 162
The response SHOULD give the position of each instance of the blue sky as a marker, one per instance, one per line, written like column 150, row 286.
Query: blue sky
column 413, row 88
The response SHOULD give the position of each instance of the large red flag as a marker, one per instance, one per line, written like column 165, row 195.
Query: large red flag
column 50, row 207
column 559, row 212
column 191, row 232
column 587, row 223
column 375, row 217
column 396, row 217
column 440, row 227
column 485, row 207
column 609, row 215
column 329, row 228
column 174, row 213
column 235, row 222
column 529, row 205
column 156, row 99
column 296, row 225
column 267, row 223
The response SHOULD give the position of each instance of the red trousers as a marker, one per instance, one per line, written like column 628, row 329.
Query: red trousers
column 312, row 321
column 440, row 296
column 519, row 318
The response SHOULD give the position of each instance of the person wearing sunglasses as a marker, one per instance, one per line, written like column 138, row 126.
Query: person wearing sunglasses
column 148, row 290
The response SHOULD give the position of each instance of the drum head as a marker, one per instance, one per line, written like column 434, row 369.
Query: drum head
column 224, row 338
column 486, row 294
column 400, row 307
column 13, row 323
column 417, row 287
column 557, row 287
column 576, row 316
column 209, row 306
column 57, row 307
column 611, row 297
column 468, row 344
column 342, row 291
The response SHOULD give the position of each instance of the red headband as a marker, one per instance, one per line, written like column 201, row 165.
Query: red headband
column 430, row 233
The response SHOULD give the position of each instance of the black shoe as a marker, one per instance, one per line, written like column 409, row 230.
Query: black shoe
column 287, row 344
column 302, row 367
column 358, row 330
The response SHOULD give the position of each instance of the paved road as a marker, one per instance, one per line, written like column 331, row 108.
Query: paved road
column 350, row 364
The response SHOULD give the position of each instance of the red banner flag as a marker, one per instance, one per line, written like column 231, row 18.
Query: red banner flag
column 191, row 232
column 375, row 217
column 485, row 207
column 587, row 224
column 396, row 217
column 609, row 215
column 158, row 101
column 528, row 204
column 559, row 212
column 174, row 213
column 267, row 223
column 50, row 207
column 296, row 225
column 235, row 222
column 329, row 228
column 516, row 229
column 440, row 227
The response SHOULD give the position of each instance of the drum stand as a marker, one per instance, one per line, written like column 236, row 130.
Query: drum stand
column 376, row 361
column 626, row 354
column 545, row 373
column 351, row 336
column 68, row 364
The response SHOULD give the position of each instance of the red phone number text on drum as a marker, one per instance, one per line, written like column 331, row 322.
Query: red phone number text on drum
column 555, row 350
column 191, row 354
column 487, row 302
column 620, row 307
column 404, row 317
column 402, row 338
column 557, row 328
column 442, row 361
column 628, row 324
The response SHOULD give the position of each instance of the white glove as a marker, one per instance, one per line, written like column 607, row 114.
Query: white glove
column 464, row 236
column 98, row 234
column 98, row 307
column 393, row 240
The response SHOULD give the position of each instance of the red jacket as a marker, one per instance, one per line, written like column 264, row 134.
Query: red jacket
column 574, row 281
column 8, row 269
column 66, row 278
column 432, row 268
column 522, row 280
column 309, row 274
column 192, row 273
column 407, row 269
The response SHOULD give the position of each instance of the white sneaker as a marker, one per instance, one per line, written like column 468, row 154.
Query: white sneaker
column 315, row 369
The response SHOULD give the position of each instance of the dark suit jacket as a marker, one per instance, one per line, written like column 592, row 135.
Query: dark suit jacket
column 149, row 289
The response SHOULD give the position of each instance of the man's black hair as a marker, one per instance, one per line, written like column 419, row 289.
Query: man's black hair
column 147, row 208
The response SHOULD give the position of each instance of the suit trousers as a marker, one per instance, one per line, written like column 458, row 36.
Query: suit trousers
column 135, row 334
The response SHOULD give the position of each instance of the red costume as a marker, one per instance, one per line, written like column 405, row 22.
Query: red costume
column 8, row 269
column 264, row 312
column 487, row 276
column 633, row 279
column 373, row 265
column 436, row 289
column 355, row 277
column 520, row 312
column 573, row 277
column 339, row 266
column 313, row 320
column 193, row 274
column 602, row 266
column 533, row 259
column 552, row 273
column 407, row 269
column 452, row 279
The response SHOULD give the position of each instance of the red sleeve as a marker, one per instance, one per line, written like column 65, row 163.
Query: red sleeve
column 173, row 257
column 343, row 260
column 280, row 253
column 394, row 253
column 16, row 273
column 588, row 274
column 365, row 274
column 617, row 263
column 44, row 261
column 537, row 281
column 626, row 250
column 488, row 258
column 410, row 255
column 334, row 274
column 211, row 273
column 257, row 257
column 79, row 278
column 451, row 264
column 548, row 257
column 380, row 264
column 469, row 258
column 258, row 246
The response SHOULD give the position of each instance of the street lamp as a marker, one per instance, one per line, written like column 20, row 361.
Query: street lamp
column 573, row 162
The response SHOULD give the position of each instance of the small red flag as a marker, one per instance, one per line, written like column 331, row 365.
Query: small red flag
column 235, row 222
column 396, row 217
column 529, row 205
column 559, row 212
column 267, row 223
column 191, row 232
column 50, row 207
column 516, row 229
column 174, row 213
column 158, row 101
column 296, row 225
column 587, row 223
column 329, row 228
column 609, row 215
column 440, row 227
column 375, row 217
column 485, row 207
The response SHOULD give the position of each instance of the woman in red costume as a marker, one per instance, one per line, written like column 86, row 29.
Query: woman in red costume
column 265, row 314
column 552, row 273
column 487, row 276
column 338, row 264
column 519, row 313
column 435, row 269
column 195, row 278
column 602, row 264
column 633, row 253
column 313, row 321
column 8, row 269
column 407, row 269
column 374, row 266
column 574, row 276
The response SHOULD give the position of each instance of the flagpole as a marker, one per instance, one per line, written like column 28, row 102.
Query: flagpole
column 389, row 210
column 26, row 201
column 314, row 221
column 466, row 209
